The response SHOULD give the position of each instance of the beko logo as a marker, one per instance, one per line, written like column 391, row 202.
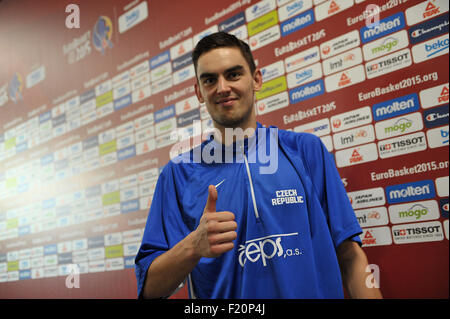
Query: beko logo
column 265, row 248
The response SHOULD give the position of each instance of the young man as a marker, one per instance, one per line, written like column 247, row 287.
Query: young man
column 288, row 232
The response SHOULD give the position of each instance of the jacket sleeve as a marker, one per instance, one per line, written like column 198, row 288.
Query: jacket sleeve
column 164, row 227
column 330, row 190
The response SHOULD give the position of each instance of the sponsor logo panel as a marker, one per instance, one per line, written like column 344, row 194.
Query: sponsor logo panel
column 413, row 191
column 418, row 232
column 330, row 8
column 430, row 49
column 272, row 71
column 306, row 91
column 342, row 61
column 340, row 44
column 344, row 79
column 271, row 87
column 259, row 9
column 133, row 17
column 266, row 21
column 353, row 137
column 436, row 117
column 398, row 126
column 370, row 217
column 444, row 207
column 302, row 59
column 383, row 27
column 402, row 145
column 181, row 48
column 438, row 137
column 356, row 155
column 233, row 22
column 264, row 38
column 425, row 10
column 351, row 119
column 442, row 186
column 293, row 8
column 414, row 212
column 395, row 107
column 296, row 23
column 272, row 103
column 318, row 128
column 434, row 96
column 304, row 75
column 387, row 64
column 367, row 198
column 429, row 29
column 377, row 236
column 385, row 45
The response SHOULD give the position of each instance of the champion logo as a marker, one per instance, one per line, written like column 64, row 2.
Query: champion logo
column 344, row 80
column 431, row 10
column 443, row 97
column 326, row 49
column 262, row 106
column 333, row 7
column 445, row 207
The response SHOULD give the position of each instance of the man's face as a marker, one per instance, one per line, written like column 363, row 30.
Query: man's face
column 226, row 85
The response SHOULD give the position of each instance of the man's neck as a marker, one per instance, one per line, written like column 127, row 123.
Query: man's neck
column 229, row 135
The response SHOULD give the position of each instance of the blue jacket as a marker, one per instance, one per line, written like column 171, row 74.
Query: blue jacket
column 290, row 219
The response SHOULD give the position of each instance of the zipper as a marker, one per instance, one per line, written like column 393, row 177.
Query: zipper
column 252, row 191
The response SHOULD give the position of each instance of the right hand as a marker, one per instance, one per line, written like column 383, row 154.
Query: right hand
column 216, row 230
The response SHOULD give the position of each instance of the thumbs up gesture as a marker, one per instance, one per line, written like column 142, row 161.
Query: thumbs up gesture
column 216, row 230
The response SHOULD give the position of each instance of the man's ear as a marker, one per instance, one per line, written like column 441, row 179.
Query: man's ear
column 198, row 93
column 257, row 80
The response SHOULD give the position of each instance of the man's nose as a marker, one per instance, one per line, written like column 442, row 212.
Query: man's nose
column 223, row 86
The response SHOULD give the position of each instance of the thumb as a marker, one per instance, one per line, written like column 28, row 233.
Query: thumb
column 212, row 198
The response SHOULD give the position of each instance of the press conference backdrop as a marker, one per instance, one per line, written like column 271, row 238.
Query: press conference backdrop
column 90, row 115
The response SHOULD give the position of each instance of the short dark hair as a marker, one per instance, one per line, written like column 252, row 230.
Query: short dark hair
column 221, row 40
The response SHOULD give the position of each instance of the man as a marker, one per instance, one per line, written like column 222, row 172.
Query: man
column 288, row 233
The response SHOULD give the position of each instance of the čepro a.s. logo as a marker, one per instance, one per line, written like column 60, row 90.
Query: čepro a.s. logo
column 102, row 34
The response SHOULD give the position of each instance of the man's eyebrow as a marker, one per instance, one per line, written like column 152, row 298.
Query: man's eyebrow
column 229, row 70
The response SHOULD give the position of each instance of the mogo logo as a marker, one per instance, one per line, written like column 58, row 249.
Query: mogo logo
column 417, row 211
column 265, row 248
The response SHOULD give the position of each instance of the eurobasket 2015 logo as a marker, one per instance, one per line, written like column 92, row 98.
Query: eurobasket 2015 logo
column 102, row 34
column 15, row 88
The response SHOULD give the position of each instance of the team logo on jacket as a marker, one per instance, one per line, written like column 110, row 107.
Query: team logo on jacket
column 287, row 196
column 265, row 248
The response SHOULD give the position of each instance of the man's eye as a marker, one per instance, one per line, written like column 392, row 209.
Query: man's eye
column 208, row 81
column 234, row 75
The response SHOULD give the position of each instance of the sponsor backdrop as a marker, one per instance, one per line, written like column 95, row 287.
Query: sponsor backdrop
column 90, row 115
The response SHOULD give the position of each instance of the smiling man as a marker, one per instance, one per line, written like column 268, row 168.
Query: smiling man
column 289, row 233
